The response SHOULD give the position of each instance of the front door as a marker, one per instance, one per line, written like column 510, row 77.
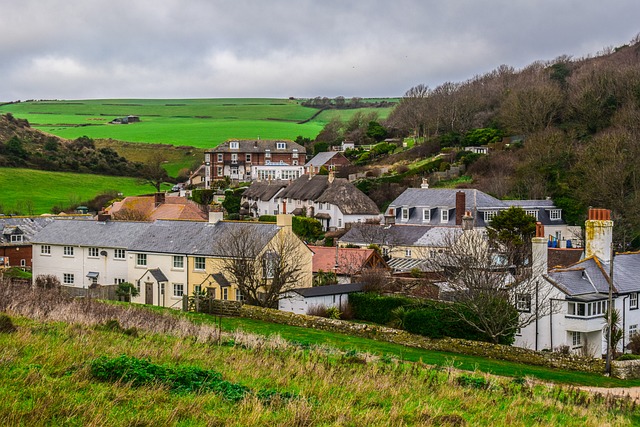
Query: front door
column 148, row 293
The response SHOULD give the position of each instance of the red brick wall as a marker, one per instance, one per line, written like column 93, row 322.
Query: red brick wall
column 16, row 254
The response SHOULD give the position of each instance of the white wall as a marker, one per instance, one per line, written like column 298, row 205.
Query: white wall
column 296, row 303
column 165, row 263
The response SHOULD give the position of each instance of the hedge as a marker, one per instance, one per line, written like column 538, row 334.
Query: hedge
column 376, row 308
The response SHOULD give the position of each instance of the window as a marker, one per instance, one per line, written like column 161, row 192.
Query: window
column 281, row 145
column 141, row 260
column 23, row 263
column 178, row 289
column 633, row 301
column 407, row 253
column 197, row 289
column 444, row 215
column 576, row 339
column 220, row 157
column 93, row 252
column 68, row 251
column 267, row 154
column 68, row 278
column 587, row 309
column 219, row 171
column 45, row 250
column 320, row 206
column 239, row 296
column 405, row 214
column 295, row 153
column 339, row 222
column 199, row 263
column 118, row 254
column 488, row 215
column 385, row 251
column 426, row 214
column 248, row 158
column 225, row 293
column 178, row 262
column 633, row 329
column 234, row 145
column 234, row 158
column 523, row 302
column 16, row 238
column 533, row 213
column 555, row 214
column 117, row 281
column 269, row 264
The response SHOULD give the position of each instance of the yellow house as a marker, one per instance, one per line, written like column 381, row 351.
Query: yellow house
column 266, row 258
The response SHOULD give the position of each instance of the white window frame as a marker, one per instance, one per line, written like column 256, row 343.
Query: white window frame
column 248, row 158
column 178, row 289
column 426, row 215
column 178, row 262
column 68, row 278
column 633, row 301
column 489, row 215
column 239, row 295
column 576, row 339
column 633, row 329
column 220, row 157
column 444, row 215
column 267, row 154
column 93, row 252
column 199, row 263
column 523, row 303
column 533, row 213
column 234, row 145
column 17, row 238
column 225, row 294
column 339, row 222
column 281, row 145
column 68, row 251
column 407, row 253
column 117, row 281
column 404, row 216
column 141, row 260
column 555, row 214
column 45, row 250
column 119, row 254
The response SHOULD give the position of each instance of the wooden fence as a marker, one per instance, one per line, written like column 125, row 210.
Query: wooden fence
column 210, row 305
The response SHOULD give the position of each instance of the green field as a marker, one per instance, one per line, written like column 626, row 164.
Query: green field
column 35, row 192
column 202, row 123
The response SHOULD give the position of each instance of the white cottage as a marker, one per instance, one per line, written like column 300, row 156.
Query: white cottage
column 300, row 300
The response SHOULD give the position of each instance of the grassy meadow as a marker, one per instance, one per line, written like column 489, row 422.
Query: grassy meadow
column 49, row 347
column 201, row 123
column 31, row 191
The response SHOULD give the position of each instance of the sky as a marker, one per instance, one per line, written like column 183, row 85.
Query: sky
column 92, row 49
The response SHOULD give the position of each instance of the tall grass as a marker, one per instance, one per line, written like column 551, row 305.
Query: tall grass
column 46, row 378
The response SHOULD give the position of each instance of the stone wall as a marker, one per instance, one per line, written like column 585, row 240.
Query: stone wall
column 626, row 369
column 381, row 333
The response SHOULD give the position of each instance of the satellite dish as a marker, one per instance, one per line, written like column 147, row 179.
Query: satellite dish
column 103, row 253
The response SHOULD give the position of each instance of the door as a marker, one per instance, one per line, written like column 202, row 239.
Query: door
column 148, row 293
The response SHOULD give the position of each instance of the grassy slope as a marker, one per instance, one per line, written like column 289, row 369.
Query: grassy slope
column 45, row 379
column 46, row 189
column 202, row 123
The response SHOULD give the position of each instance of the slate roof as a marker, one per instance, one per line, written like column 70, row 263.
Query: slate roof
column 398, row 235
column 589, row 277
column 27, row 226
column 180, row 237
column 320, row 291
column 321, row 158
column 476, row 201
column 264, row 190
column 158, row 275
column 258, row 146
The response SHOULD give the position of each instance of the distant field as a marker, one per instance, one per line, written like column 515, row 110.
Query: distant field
column 202, row 123
column 36, row 192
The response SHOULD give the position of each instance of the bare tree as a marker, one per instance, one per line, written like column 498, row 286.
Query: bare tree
column 264, row 271
column 490, row 295
column 127, row 214
column 153, row 171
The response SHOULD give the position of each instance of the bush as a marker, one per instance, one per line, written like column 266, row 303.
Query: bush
column 634, row 344
column 376, row 308
column 436, row 319
column 6, row 324
column 47, row 281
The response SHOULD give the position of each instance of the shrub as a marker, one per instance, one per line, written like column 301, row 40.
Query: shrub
column 317, row 310
column 634, row 344
column 376, row 308
column 6, row 324
column 47, row 281
column 472, row 381
column 333, row 312
column 629, row 357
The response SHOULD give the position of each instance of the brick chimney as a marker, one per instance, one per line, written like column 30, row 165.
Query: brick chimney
column 539, row 251
column 103, row 217
column 460, row 205
column 467, row 221
column 158, row 199
column 598, row 234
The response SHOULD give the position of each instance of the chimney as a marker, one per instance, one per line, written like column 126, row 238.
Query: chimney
column 284, row 206
column 215, row 217
column 539, row 252
column 425, row 183
column 598, row 234
column 460, row 205
column 332, row 177
column 467, row 221
column 103, row 217
column 158, row 199
column 283, row 220
column 390, row 216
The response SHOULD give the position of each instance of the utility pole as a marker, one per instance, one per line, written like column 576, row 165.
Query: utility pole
column 610, row 316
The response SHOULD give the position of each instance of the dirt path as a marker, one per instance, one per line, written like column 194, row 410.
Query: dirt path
column 632, row 392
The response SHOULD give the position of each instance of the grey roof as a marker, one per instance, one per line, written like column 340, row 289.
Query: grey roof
column 590, row 276
column 161, row 236
column 398, row 235
column 476, row 201
column 264, row 190
column 222, row 281
column 158, row 275
column 110, row 234
column 27, row 226
column 321, row 158
column 259, row 146
column 319, row 291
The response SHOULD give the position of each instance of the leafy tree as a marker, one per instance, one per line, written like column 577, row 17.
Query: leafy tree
column 126, row 290
column 153, row 171
column 232, row 199
column 320, row 147
column 376, row 131
column 308, row 229
column 15, row 148
column 512, row 229
column 482, row 136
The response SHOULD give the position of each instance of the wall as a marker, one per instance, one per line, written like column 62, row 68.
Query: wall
column 513, row 354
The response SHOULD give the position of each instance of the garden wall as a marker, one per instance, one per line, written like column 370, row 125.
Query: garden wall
column 381, row 333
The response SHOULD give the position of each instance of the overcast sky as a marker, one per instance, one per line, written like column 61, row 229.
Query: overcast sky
column 77, row 49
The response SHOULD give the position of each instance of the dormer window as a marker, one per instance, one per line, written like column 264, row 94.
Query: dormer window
column 267, row 153
column 16, row 238
column 234, row 145
column 488, row 215
column 426, row 215
column 555, row 214
column 281, row 145
column 533, row 213
column 405, row 214
column 444, row 215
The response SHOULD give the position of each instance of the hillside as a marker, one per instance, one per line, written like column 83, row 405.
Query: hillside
column 573, row 125
column 23, row 146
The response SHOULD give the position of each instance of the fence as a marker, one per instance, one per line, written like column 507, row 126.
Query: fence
column 209, row 305
column 99, row 292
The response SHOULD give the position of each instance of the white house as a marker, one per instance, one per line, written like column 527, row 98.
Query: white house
column 300, row 300
column 579, row 294
column 276, row 171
